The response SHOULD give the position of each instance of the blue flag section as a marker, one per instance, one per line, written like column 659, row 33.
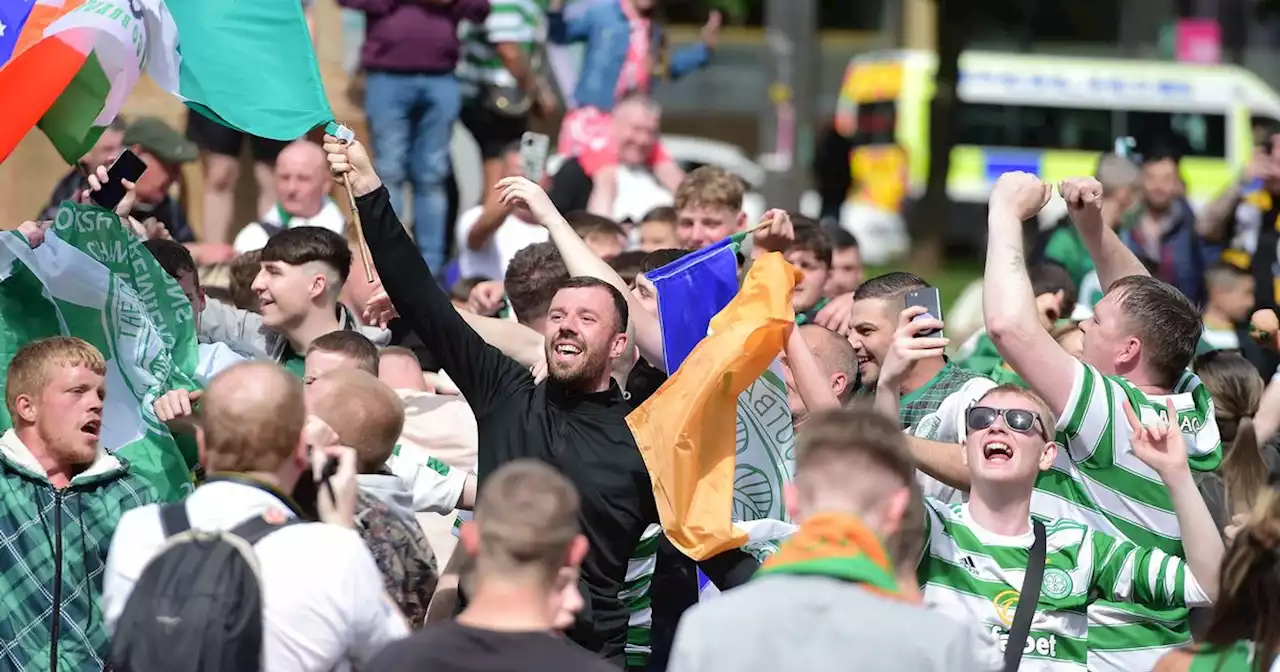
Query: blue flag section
column 691, row 290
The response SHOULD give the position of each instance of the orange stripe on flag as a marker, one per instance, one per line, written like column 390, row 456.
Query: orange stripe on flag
column 687, row 431
column 31, row 84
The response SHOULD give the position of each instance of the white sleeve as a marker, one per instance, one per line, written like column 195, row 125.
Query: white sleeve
column 137, row 536
column 377, row 620
column 954, row 409
column 436, row 486
column 1087, row 418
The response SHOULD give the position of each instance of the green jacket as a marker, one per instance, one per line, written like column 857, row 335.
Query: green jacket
column 53, row 558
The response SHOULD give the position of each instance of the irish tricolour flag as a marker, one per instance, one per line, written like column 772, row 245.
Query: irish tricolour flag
column 66, row 66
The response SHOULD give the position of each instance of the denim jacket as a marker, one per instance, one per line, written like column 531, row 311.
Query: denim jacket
column 607, row 33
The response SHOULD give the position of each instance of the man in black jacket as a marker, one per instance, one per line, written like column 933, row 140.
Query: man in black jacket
column 575, row 420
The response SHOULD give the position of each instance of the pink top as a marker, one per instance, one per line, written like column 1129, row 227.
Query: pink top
column 637, row 68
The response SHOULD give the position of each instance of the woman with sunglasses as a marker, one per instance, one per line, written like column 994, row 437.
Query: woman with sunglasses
column 977, row 553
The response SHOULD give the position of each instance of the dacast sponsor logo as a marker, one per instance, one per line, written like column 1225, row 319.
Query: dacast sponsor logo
column 1006, row 604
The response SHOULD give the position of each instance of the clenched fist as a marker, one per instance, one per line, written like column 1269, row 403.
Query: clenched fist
column 1084, row 199
column 1020, row 195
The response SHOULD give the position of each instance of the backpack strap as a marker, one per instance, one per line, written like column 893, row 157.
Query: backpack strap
column 174, row 519
column 1028, row 599
column 257, row 528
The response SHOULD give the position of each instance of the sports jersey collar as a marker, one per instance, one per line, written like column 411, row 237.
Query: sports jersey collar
column 989, row 538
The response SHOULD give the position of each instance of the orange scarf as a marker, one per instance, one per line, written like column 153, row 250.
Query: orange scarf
column 840, row 546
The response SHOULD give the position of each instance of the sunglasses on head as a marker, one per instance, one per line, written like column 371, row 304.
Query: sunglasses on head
column 1016, row 419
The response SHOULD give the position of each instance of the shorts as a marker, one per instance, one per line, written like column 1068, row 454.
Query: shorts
column 493, row 132
column 215, row 138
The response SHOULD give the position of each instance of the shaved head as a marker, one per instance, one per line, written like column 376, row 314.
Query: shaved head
column 302, row 178
column 834, row 354
column 252, row 417
column 366, row 414
column 303, row 153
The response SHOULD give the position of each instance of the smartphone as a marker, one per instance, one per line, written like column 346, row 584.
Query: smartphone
column 306, row 491
column 126, row 167
column 932, row 302
column 533, row 155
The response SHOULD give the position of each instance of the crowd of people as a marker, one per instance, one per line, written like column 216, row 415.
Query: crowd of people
column 427, row 463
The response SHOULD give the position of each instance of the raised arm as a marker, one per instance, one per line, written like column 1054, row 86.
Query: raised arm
column 1215, row 218
column 483, row 374
column 642, row 328
column 696, row 56
column 1084, row 205
column 514, row 339
column 1008, row 301
column 1164, row 449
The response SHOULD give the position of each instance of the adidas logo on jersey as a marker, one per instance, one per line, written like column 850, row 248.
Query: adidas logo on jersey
column 1046, row 645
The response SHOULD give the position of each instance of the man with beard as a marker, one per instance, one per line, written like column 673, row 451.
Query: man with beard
column 574, row 420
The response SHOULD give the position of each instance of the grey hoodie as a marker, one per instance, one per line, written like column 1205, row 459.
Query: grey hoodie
column 244, row 332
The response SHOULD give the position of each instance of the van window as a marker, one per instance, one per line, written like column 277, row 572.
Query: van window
column 1033, row 127
column 1091, row 130
column 1188, row 133
column 875, row 123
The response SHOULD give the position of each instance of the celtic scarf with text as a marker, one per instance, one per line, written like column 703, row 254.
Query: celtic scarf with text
column 91, row 278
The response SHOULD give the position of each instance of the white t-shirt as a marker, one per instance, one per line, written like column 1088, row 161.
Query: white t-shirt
column 490, row 261
column 324, row 603
column 213, row 358
column 254, row 236
column 638, row 192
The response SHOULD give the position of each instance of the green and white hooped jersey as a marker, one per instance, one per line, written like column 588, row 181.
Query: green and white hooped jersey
column 975, row 576
column 635, row 592
column 1098, row 481
column 635, row 595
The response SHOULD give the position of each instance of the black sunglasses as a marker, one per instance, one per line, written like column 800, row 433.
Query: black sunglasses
column 1016, row 419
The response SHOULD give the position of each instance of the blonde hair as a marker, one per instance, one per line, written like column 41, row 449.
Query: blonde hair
column 527, row 517
column 712, row 187
column 36, row 363
column 366, row 414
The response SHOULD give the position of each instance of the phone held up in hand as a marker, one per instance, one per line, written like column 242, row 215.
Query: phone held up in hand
column 308, row 489
column 932, row 303
column 126, row 167
column 534, row 148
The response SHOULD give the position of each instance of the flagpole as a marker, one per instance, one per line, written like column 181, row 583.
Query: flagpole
column 355, row 216
column 343, row 133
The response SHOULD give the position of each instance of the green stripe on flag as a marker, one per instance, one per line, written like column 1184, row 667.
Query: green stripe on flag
column 224, row 41
column 71, row 123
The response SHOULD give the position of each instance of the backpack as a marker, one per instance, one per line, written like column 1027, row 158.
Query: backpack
column 198, row 605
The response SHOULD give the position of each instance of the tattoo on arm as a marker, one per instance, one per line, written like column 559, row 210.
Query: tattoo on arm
column 1017, row 261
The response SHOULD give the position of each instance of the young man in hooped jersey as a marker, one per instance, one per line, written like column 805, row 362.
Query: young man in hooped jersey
column 976, row 553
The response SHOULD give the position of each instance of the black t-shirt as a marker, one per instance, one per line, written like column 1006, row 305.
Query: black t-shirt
column 451, row 647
